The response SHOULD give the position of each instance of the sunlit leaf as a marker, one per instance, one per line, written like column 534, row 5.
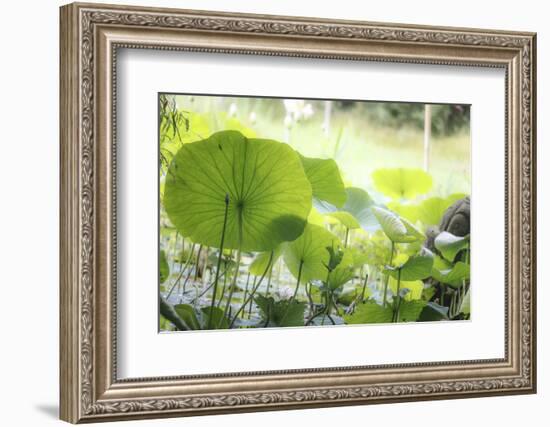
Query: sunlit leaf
column 401, row 183
column 343, row 273
column 261, row 261
column 356, row 212
column 395, row 228
column 414, row 287
column 326, row 182
column 465, row 306
column 310, row 251
column 371, row 312
column 268, row 191
column 417, row 267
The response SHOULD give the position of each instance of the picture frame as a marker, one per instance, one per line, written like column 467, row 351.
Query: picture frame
column 91, row 35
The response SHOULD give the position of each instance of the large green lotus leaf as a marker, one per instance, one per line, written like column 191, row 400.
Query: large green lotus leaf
column 356, row 212
column 415, row 288
column 401, row 183
column 261, row 262
column 326, row 182
column 268, row 191
column 453, row 276
column 417, row 267
column 449, row 244
column 397, row 230
column 310, row 250
column 343, row 273
column 164, row 268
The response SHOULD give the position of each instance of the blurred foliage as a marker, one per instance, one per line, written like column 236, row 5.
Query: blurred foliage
column 446, row 119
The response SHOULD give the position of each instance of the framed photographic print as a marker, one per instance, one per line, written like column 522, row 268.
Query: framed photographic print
column 265, row 212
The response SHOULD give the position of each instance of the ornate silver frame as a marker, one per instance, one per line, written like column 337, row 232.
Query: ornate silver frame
column 90, row 36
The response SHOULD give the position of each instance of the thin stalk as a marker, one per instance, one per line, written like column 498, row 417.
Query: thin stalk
column 387, row 281
column 224, row 283
column 253, row 291
column 220, row 254
column 268, row 281
column 398, row 296
column 233, row 283
column 364, row 287
column 299, row 276
column 246, row 290
column 250, row 305
column 206, row 289
column 309, row 298
column 327, row 299
column 237, row 267
column 199, row 258
column 181, row 273
column 346, row 238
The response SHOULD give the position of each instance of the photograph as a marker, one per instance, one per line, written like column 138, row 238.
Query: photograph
column 285, row 212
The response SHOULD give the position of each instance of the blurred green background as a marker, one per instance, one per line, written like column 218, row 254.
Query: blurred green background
column 361, row 136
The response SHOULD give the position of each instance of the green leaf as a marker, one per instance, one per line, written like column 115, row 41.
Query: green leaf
column 187, row 313
column 343, row 272
column 261, row 261
column 431, row 210
column 219, row 321
column 400, row 183
column 369, row 312
column 356, row 212
column 454, row 276
column 465, row 306
column 433, row 312
column 309, row 250
column 410, row 311
column 417, row 267
column 326, row 182
column 415, row 288
column 168, row 312
column 164, row 268
column 449, row 244
column 412, row 231
column 395, row 228
column 346, row 219
column 269, row 193
column 281, row 313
